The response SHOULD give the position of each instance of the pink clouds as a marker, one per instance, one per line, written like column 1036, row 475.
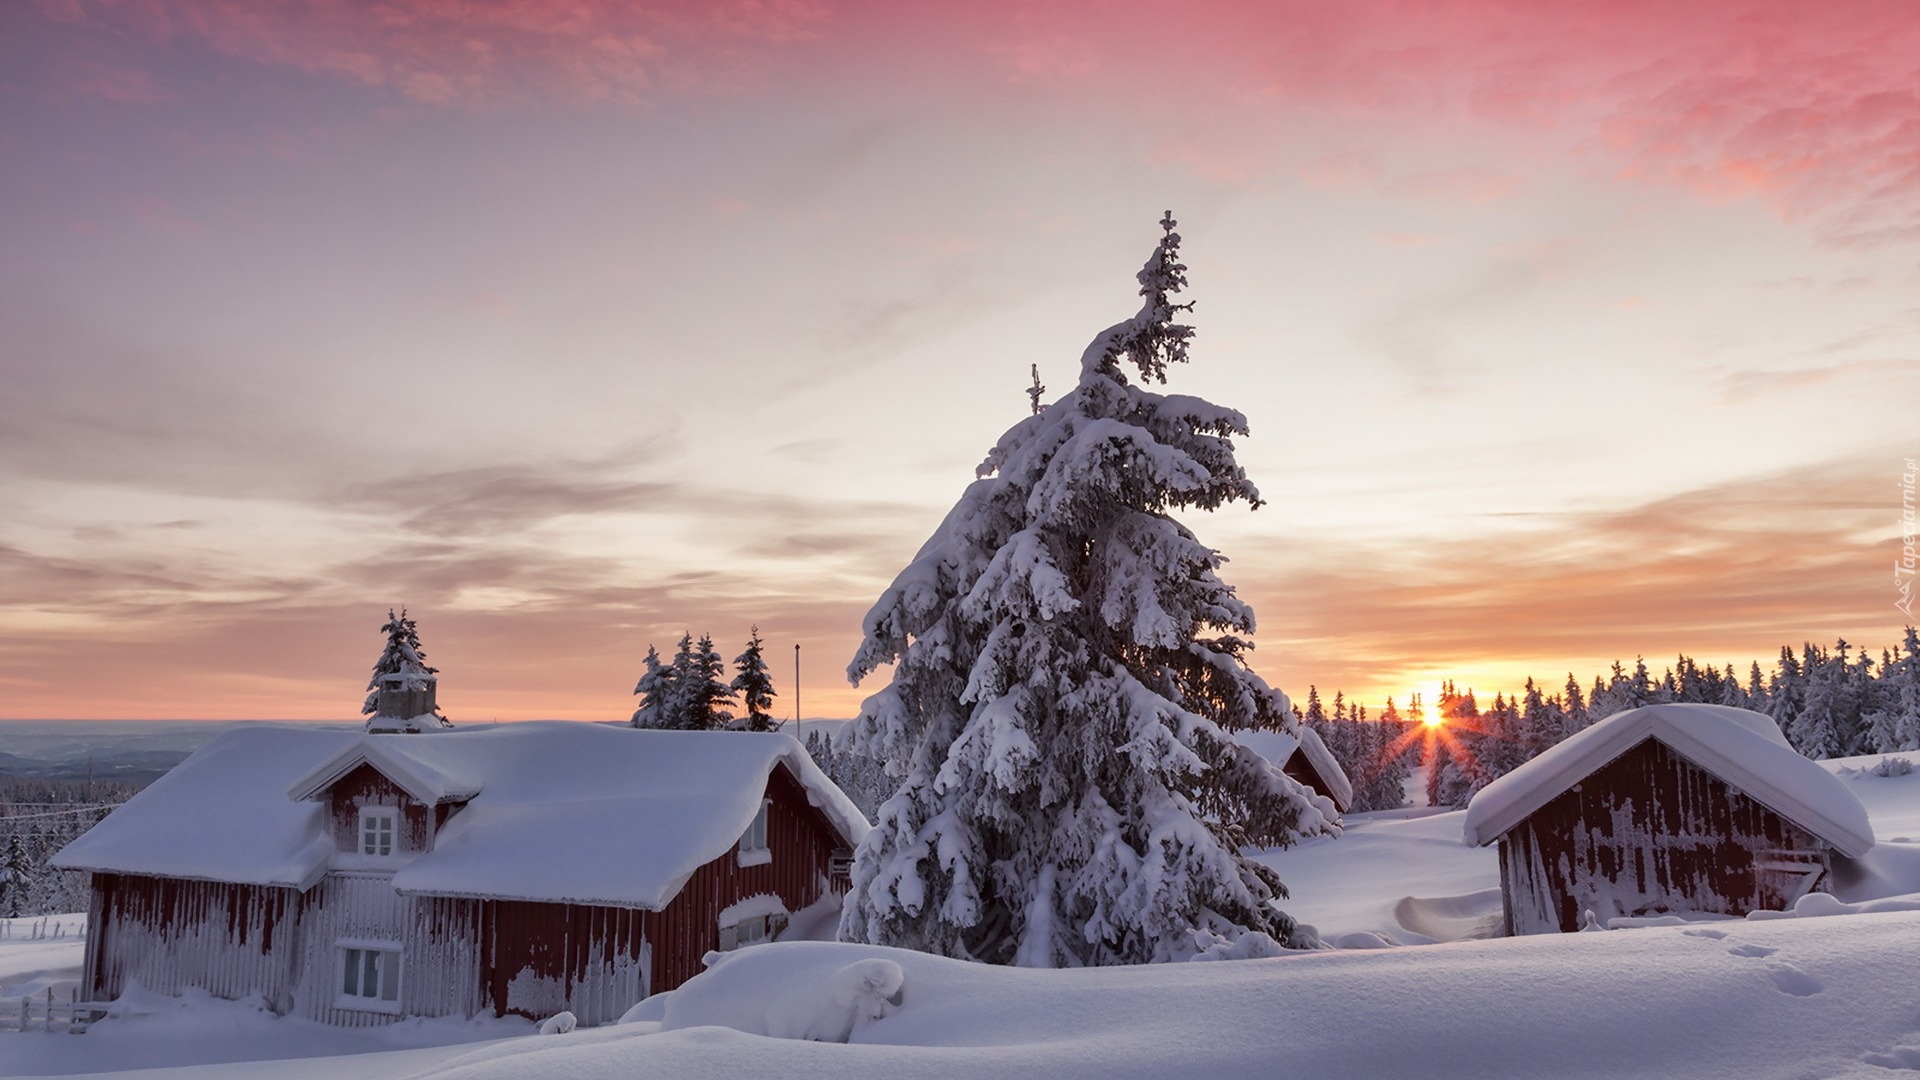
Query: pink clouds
column 463, row 53
column 1811, row 108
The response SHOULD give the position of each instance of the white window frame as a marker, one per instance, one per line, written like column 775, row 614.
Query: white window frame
column 357, row 961
column 751, row 930
column 371, row 818
column 753, row 843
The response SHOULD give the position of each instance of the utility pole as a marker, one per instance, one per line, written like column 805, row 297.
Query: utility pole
column 799, row 725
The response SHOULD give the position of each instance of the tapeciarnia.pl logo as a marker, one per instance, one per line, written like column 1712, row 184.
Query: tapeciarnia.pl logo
column 1903, row 567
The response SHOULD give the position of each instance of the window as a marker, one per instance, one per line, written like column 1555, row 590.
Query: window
column 376, row 830
column 751, row 930
column 370, row 977
column 753, row 842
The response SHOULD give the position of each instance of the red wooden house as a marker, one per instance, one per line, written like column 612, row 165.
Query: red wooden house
column 1665, row 808
column 1304, row 757
column 354, row 878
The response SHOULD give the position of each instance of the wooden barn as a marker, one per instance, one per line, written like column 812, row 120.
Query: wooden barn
column 1304, row 757
column 358, row 878
column 1665, row 808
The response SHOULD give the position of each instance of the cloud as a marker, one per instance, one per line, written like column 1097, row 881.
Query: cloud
column 493, row 499
column 1743, row 386
column 1727, row 573
column 1460, row 184
column 456, row 53
column 1811, row 108
column 1416, row 331
column 124, row 640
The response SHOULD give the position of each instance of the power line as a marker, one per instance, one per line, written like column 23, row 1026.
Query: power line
column 58, row 813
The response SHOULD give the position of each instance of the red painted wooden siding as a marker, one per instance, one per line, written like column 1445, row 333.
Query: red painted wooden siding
column 364, row 786
column 168, row 934
column 1652, row 832
column 537, row 959
column 802, row 842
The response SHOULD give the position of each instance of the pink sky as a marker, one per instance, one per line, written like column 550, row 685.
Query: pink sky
column 1566, row 332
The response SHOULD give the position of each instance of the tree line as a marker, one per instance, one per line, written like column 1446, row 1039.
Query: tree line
column 1376, row 752
column 692, row 693
column 1828, row 702
column 38, row 817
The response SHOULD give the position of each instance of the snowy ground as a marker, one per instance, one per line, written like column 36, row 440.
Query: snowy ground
column 1788, row 998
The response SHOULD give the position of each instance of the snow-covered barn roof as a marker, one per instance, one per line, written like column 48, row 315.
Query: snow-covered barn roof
column 1278, row 746
column 558, row 812
column 1743, row 748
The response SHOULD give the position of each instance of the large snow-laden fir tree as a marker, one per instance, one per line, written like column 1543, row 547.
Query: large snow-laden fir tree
column 1068, row 672
column 402, row 694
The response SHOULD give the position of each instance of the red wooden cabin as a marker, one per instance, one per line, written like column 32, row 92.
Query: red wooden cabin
column 1306, row 759
column 1665, row 808
column 355, row 879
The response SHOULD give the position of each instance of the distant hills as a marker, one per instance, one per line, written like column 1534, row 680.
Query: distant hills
column 136, row 751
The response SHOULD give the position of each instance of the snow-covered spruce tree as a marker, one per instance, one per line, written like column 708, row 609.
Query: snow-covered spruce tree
column 1068, row 671
column 16, row 877
column 754, row 685
column 656, row 690
column 401, row 695
column 708, row 693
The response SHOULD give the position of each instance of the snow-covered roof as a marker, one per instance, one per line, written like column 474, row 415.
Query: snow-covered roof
column 558, row 812
column 222, row 815
column 1743, row 748
column 1278, row 746
column 418, row 774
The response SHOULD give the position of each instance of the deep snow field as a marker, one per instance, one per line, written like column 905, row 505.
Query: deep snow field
column 1414, row 990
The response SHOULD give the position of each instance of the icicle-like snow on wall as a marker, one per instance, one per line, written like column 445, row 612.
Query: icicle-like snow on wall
column 168, row 935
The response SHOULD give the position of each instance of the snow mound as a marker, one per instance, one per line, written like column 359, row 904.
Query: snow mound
column 1818, row 905
column 816, row 991
column 1451, row 918
column 1818, row 997
column 850, row 998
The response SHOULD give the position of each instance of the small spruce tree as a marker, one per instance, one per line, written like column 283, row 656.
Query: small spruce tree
column 16, row 877
column 656, row 689
column 754, row 685
column 704, row 692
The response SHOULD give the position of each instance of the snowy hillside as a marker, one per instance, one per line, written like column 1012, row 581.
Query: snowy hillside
column 1757, row 998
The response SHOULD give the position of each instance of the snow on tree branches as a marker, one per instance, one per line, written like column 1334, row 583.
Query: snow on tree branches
column 401, row 693
column 692, row 694
column 656, row 692
column 754, row 685
column 1068, row 669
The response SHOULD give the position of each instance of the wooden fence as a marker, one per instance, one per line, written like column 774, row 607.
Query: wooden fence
column 43, row 1012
